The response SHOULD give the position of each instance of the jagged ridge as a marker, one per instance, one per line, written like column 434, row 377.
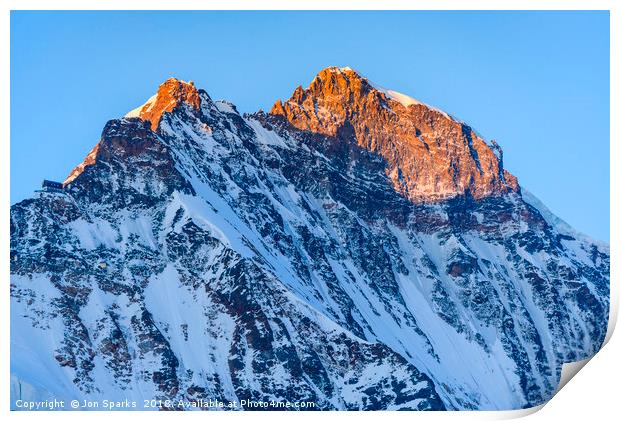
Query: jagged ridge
column 214, row 255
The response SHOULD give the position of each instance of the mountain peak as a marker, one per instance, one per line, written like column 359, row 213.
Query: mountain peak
column 430, row 156
column 340, row 70
column 172, row 93
column 354, row 78
column 339, row 81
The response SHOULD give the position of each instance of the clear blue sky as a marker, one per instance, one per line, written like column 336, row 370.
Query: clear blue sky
column 537, row 82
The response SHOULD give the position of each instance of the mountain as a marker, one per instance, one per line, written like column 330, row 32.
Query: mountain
column 353, row 249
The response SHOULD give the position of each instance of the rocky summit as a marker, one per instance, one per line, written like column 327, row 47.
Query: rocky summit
column 430, row 156
column 352, row 249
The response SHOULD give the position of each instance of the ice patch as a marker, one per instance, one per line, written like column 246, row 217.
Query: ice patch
column 148, row 105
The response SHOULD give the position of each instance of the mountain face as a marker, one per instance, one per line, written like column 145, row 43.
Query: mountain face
column 352, row 249
column 430, row 156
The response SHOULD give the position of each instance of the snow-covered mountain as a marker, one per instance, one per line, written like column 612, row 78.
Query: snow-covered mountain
column 352, row 249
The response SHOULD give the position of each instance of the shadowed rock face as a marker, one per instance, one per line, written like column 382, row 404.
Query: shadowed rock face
column 200, row 254
column 430, row 155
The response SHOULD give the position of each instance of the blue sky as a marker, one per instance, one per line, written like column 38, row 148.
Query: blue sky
column 537, row 82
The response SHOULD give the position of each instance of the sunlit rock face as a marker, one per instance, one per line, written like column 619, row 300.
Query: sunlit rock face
column 430, row 156
column 170, row 95
column 353, row 248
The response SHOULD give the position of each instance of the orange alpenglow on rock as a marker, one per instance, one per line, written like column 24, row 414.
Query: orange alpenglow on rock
column 170, row 94
column 89, row 160
column 430, row 156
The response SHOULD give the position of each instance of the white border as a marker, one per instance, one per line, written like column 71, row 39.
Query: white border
column 593, row 395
